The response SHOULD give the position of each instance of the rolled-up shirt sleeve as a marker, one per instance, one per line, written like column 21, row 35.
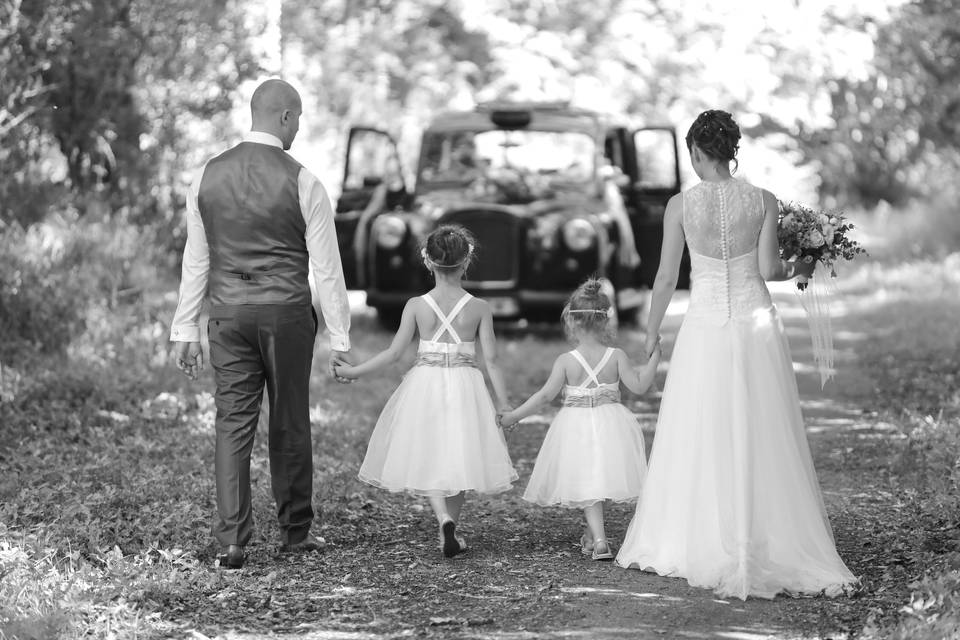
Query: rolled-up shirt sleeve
column 328, row 288
column 194, row 273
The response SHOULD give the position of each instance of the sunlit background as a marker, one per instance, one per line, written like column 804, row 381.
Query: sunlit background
column 766, row 61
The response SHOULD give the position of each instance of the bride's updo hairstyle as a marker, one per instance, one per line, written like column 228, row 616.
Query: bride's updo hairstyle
column 449, row 247
column 588, row 310
column 716, row 134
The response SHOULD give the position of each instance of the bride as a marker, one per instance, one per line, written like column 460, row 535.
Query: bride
column 731, row 501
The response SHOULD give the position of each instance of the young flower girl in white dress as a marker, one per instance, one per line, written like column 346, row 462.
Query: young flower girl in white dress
column 593, row 450
column 437, row 436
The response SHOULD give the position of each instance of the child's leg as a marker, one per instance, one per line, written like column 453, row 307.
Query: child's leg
column 447, row 508
column 455, row 505
column 594, row 516
column 439, row 506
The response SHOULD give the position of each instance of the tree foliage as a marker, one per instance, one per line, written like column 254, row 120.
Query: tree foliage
column 895, row 134
column 114, row 100
column 118, row 88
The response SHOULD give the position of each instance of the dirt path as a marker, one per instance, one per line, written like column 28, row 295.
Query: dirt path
column 524, row 576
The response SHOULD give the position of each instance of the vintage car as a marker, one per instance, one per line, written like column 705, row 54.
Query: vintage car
column 553, row 194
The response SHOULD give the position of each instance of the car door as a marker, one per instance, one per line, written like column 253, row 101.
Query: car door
column 371, row 171
column 653, row 160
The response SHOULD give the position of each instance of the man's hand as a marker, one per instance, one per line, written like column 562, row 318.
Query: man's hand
column 189, row 358
column 339, row 357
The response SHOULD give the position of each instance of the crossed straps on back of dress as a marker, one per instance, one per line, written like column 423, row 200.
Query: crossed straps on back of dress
column 435, row 356
column 584, row 395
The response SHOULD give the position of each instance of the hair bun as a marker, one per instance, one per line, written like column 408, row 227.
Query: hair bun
column 716, row 133
column 449, row 246
column 591, row 287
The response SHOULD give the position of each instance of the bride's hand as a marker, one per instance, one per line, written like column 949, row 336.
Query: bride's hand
column 650, row 345
column 805, row 269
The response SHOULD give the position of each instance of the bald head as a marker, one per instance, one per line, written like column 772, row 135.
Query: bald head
column 275, row 108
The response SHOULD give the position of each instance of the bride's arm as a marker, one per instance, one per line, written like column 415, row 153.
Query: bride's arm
column 669, row 270
column 771, row 266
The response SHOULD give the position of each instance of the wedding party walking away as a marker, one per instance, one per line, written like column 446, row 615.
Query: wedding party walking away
column 460, row 320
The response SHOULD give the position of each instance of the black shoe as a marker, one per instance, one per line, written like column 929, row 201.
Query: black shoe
column 450, row 543
column 307, row 545
column 232, row 557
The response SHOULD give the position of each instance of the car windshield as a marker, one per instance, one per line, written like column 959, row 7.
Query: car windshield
column 452, row 158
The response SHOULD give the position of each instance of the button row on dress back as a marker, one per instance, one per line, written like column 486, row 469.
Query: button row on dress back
column 724, row 249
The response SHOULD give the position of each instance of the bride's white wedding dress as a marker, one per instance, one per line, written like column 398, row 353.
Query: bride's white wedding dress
column 731, row 501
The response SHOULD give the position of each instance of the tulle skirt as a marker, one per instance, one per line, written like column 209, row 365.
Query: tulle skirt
column 438, row 436
column 732, row 500
column 589, row 454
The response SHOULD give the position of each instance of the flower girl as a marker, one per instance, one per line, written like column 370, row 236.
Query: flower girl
column 593, row 450
column 437, row 436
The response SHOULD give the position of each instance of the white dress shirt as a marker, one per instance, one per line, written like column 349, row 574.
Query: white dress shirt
column 327, row 286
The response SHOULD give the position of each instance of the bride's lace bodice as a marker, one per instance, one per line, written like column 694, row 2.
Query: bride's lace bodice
column 721, row 222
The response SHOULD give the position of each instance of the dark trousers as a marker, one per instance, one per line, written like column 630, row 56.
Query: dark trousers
column 252, row 346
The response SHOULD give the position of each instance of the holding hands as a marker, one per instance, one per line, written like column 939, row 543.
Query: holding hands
column 341, row 364
column 507, row 419
column 651, row 346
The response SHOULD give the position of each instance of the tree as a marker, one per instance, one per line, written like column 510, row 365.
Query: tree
column 125, row 88
column 23, row 96
column 896, row 133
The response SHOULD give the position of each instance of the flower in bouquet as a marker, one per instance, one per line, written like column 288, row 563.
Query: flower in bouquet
column 808, row 235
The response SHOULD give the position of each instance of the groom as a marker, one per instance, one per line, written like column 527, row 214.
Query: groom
column 258, row 225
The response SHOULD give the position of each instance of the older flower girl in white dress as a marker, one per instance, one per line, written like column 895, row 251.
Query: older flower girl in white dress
column 437, row 436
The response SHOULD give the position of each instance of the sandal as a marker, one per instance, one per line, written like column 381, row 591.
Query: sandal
column 602, row 550
column 586, row 545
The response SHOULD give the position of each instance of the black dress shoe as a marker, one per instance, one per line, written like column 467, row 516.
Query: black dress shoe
column 232, row 557
column 306, row 545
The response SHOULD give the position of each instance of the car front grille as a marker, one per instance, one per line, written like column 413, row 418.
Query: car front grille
column 497, row 233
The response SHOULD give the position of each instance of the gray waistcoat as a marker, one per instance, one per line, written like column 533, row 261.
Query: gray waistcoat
column 250, row 206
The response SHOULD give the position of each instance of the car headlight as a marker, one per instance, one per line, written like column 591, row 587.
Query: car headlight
column 389, row 231
column 579, row 234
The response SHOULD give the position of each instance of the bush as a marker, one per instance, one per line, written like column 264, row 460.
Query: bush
column 53, row 275
column 923, row 230
column 41, row 305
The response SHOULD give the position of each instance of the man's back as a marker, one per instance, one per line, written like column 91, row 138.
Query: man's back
column 250, row 206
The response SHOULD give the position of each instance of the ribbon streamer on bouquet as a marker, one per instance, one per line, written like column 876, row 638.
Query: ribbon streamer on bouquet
column 815, row 300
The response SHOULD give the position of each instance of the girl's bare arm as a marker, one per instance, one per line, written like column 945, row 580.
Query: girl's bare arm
column 547, row 392
column 405, row 332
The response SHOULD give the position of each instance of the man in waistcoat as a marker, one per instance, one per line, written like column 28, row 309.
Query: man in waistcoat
column 258, row 226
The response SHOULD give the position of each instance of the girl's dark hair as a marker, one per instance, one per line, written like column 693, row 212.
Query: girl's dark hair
column 450, row 247
column 716, row 134
column 588, row 310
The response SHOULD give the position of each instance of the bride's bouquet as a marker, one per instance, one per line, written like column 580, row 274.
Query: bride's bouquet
column 808, row 235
